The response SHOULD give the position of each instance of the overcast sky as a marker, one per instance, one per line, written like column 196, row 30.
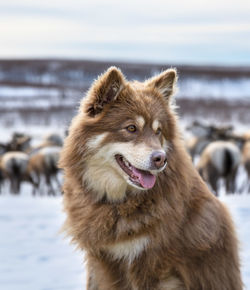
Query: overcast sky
column 191, row 31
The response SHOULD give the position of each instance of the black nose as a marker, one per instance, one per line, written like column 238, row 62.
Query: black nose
column 158, row 159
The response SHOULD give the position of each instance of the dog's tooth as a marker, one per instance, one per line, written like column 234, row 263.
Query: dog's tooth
column 126, row 163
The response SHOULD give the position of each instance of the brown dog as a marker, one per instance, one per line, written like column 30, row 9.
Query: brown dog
column 133, row 199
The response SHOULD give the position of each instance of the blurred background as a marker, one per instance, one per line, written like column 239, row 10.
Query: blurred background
column 50, row 53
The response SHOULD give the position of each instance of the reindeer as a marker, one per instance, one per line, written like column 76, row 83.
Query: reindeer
column 243, row 142
column 14, row 166
column 220, row 159
column 203, row 135
column 18, row 142
column 50, row 140
column 1, row 176
column 43, row 163
column 246, row 162
column 32, row 164
column 246, row 135
column 2, row 151
column 195, row 145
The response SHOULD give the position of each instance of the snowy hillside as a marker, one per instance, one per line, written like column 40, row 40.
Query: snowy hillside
column 52, row 89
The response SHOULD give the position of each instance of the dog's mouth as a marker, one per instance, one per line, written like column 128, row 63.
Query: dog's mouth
column 143, row 179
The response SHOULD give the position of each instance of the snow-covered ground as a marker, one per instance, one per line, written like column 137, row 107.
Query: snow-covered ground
column 35, row 256
column 239, row 206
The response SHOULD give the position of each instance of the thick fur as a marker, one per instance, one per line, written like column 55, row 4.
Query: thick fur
column 176, row 235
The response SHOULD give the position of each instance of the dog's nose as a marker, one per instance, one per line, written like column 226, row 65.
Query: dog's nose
column 158, row 159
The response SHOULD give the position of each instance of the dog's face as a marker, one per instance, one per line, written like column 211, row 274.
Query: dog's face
column 128, row 127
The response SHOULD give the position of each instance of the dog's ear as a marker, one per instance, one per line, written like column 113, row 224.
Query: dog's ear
column 164, row 83
column 105, row 90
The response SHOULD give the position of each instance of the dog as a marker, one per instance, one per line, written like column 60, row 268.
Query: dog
column 134, row 202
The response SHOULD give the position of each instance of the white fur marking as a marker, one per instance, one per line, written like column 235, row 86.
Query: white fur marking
column 165, row 145
column 140, row 121
column 155, row 125
column 128, row 250
column 95, row 142
column 172, row 283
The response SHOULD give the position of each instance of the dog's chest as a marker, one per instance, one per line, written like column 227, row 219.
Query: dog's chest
column 128, row 250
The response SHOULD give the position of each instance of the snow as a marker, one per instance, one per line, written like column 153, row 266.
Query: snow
column 220, row 89
column 28, row 92
column 28, row 97
column 35, row 256
column 239, row 206
column 39, row 98
column 31, row 97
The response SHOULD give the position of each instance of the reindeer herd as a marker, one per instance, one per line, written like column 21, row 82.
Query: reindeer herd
column 20, row 162
column 217, row 153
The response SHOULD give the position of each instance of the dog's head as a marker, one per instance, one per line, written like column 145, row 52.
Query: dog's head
column 127, row 129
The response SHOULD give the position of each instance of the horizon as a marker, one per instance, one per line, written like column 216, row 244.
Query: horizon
column 129, row 62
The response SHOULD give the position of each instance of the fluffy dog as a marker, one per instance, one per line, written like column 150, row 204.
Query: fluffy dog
column 134, row 202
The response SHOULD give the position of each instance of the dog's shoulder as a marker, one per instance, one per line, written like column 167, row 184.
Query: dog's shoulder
column 207, row 223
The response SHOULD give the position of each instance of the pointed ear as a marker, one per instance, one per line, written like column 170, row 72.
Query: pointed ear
column 164, row 82
column 105, row 90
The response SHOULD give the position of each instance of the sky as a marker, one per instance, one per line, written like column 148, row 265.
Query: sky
column 182, row 32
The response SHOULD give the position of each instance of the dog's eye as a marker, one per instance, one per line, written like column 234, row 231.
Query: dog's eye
column 131, row 128
column 158, row 131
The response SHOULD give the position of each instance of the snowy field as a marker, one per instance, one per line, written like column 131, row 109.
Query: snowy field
column 35, row 256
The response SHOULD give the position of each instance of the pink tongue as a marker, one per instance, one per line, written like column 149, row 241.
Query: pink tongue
column 147, row 180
